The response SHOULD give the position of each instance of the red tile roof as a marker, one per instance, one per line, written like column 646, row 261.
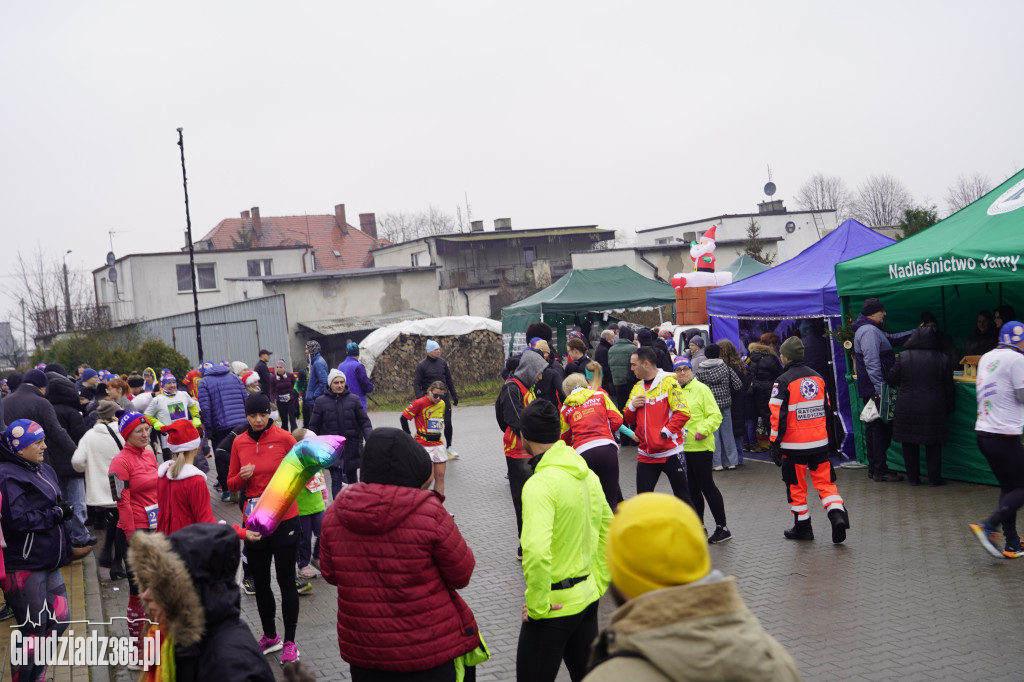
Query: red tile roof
column 319, row 231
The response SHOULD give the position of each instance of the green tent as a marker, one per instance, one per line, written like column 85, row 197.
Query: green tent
column 744, row 267
column 971, row 261
column 571, row 298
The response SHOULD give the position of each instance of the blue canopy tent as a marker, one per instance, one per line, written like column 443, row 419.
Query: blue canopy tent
column 802, row 288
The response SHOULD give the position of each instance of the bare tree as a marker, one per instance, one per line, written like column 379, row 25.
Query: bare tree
column 825, row 192
column 401, row 226
column 881, row 200
column 966, row 190
column 37, row 278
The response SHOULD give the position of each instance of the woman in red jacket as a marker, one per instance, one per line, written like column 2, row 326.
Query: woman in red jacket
column 589, row 418
column 255, row 456
column 397, row 558
column 181, row 488
column 134, row 475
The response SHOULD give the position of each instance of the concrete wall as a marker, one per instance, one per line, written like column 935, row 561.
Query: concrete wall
column 147, row 286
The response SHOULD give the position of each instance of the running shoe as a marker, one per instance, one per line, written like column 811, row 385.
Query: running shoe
column 987, row 535
column 225, row 496
column 718, row 468
column 303, row 586
column 452, row 454
column 1012, row 550
column 308, row 572
column 290, row 653
column 269, row 646
column 720, row 535
column 248, row 587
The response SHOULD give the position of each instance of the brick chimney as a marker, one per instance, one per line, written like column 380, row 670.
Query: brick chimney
column 368, row 224
column 257, row 225
column 245, row 215
column 339, row 215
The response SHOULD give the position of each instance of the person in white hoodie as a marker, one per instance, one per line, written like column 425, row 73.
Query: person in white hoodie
column 95, row 451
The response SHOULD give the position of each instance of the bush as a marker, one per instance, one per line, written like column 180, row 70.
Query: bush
column 119, row 352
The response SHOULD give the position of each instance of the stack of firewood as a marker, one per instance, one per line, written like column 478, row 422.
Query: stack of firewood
column 472, row 358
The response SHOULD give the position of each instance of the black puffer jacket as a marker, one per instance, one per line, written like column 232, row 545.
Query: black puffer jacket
column 550, row 385
column 28, row 403
column 63, row 395
column 191, row 573
column 924, row 376
column 740, row 402
column 765, row 368
column 341, row 414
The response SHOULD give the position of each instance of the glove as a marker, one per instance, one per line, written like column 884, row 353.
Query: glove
column 699, row 436
column 66, row 510
column 455, row 401
column 776, row 452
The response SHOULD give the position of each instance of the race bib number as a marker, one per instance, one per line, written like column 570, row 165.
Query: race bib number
column 435, row 425
column 317, row 483
column 250, row 505
column 151, row 514
column 284, row 398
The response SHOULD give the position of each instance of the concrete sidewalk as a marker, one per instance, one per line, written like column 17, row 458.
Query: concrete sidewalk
column 909, row 596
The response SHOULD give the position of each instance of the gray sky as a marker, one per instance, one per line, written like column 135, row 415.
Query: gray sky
column 627, row 115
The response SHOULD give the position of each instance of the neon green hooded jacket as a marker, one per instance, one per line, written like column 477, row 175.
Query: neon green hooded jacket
column 705, row 417
column 565, row 523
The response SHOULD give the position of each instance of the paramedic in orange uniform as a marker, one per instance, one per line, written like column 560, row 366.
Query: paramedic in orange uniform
column 800, row 442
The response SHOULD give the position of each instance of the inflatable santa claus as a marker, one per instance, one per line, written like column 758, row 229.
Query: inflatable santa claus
column 702, row 253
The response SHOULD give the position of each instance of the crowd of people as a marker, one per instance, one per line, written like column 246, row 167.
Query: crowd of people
column 128, row 454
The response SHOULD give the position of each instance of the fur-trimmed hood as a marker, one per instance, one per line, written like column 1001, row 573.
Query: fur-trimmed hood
column 757, row 347
column 161, row 570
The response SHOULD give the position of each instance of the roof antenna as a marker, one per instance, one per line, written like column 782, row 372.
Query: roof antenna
column 769, row 188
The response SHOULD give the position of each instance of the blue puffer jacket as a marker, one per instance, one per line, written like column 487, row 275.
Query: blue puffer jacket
column 355, row 378
column 221, row 399
column 341, row 414
column 317, row 384
column 31, row 521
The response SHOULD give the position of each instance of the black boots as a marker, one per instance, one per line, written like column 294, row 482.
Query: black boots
column 801, row 530
column 840, row 521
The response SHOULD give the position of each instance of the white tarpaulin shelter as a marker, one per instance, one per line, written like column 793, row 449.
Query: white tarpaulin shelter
column 374, row 344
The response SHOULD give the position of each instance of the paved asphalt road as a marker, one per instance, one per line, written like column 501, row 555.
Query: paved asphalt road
column 910, row 596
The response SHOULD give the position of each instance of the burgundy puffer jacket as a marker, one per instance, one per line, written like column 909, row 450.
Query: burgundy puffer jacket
column 397, row 558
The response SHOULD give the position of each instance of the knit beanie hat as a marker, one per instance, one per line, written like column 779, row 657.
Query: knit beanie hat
column 539, row 422
column 654, row 541
column 698, row 341
column 135, row 382
column 127, row 420
column 257, row 403
column 88, row 373
column 712, row 351
column 167, row 378
column 106, row 409
column 56, row 368
column 645, row 337
column 182, row 436
column 792, row 348
column 871, row 306
column 432, row 345
column 334, row 374
column 392, row 457
column 681, row 361
column 352, row 348
column 36, row 378
column 21, row 433
column 1011, row 333
column 313, row 348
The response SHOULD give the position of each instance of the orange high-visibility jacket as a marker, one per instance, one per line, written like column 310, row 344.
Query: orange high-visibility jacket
column 800, row 408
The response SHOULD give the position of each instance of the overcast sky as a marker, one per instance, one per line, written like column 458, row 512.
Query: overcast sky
column 625, row 115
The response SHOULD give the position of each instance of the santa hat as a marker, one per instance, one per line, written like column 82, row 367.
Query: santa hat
column 710, row 234
column 182, row 436
column 250, row 378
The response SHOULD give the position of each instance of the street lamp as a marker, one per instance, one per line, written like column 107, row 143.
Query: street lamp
column 67, row 294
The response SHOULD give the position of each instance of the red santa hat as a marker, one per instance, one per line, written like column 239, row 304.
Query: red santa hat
column 710, row 234
column 182, row 436
column 249, row 378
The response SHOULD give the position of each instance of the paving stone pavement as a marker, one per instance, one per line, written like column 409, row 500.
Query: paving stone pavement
column 909, row 596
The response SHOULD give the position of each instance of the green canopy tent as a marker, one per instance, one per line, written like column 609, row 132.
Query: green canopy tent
column 597, row 291
column 971, row 261
column 744, row 267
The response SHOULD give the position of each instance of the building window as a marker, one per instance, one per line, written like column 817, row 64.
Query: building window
column 261, row 267
column 206, row 277
column 529, row 255
column 664, row 240
column 421, row 259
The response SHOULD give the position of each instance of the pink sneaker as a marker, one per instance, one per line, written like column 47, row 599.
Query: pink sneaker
column 290, row 653
column 308, row 572
column 268, row 645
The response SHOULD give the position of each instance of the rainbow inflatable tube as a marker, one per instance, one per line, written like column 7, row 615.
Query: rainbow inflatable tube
column 299, row 465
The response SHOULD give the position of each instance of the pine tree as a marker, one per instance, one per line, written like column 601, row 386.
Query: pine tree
column 754, row 248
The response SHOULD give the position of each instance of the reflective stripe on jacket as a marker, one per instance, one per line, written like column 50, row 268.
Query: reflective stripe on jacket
column 799, row 408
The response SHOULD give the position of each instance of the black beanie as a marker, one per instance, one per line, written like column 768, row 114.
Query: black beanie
column 34, row 377
column 392, row 457
column 626, row 333
column 257, row 403
column 645, row 337
column 57, row 368
column 539, row 422
column 872, row 306
column 712, row 351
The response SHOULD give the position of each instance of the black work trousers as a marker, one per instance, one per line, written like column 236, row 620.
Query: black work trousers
column 545, row 643
column 912, row 459
column 878, row 435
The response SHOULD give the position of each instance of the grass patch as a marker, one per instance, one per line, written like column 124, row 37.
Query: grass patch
column 482, row 393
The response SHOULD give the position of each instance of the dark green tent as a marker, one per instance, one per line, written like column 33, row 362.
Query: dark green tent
column 744, row 267
column 971, row 261
column 580, row 292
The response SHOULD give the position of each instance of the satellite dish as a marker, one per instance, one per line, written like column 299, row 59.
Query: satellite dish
column 791, row 227
column 769, row 189
column 111, row 259
column 112, row 274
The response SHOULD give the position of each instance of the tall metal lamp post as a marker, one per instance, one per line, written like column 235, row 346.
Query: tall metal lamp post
column 191, row 252
column 67, row 296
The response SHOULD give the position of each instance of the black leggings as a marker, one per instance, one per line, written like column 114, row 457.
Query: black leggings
column 647, row 475
column 281, row 547
column 604, row 461
column 442, row 673
column 702, row 486
column 1005, row 455
column 545, row 643
column 447, row 420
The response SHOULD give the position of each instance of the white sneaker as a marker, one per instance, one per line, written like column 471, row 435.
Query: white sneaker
column 718, row 468
column 452, row 454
